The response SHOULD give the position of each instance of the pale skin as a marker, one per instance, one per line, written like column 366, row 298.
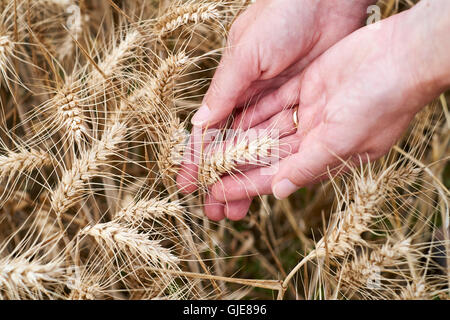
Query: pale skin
column 356, row 89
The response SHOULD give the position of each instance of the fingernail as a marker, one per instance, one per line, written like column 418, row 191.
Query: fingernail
column 283, row 189
column 201, row 116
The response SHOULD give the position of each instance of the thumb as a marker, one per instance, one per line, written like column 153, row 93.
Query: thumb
column 234, row 75
column 306, row 166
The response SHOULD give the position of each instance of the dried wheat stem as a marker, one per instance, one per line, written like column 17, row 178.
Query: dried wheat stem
column 115, row 236
column 191, row 13
column 73, row 181
column 226, row 160
column 23, row 161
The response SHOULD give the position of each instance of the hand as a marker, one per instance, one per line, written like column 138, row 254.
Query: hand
column 356, row 100
column 269, row 46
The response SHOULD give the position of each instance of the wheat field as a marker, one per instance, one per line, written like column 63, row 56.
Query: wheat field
column 96, row 98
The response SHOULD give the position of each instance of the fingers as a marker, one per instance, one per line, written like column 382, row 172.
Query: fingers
column 236, row 72
column 187, row 175
column 271, row 104
column 280, row 125
column 309, row 164
column 213, row 209
column 199, row 140
column 237, row 210
column 260, row 88
column 245, row 185
column 234, row 210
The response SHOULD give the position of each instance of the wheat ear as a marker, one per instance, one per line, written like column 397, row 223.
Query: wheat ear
column 23, row 161
column 355, row 220
column 191, row 13
column 70, row 115
column 21, row 279
column 415, row 291
column 171, row 148
column 75, row 29
column 112, row 65
column 226, row 160
column 152, row 209
column 158, row 90
column 85, row 291
column 73, row 181
column 6, row 50
column 115, row 236
column 367, row 267
column 163, row 82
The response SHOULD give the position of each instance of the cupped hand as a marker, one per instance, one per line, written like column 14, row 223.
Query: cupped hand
column 269, row 46
column 355, row 102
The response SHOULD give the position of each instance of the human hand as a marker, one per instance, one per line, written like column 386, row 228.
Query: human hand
column 270, row 44
column 355, row 102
